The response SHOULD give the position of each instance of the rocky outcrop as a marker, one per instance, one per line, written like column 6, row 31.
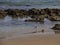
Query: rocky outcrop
column 54, row 15
column 33, row 11
column 51, row 14
column 2, row 14
column 56, row 27
column 54, row 18
column 15, row 13
column 35, row 14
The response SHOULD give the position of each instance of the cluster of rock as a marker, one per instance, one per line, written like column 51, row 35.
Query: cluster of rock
column 35, row 14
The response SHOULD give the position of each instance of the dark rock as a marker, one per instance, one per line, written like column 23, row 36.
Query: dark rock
column 34, row 11
column 56, row 27
column 54, row 18
column 21, row 13
column 35, row 14
column 10, row 11
column 32, row 20
column 3, row 14
column 42, row 30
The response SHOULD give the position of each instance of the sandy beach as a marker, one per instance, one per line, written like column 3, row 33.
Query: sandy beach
column 33, row 40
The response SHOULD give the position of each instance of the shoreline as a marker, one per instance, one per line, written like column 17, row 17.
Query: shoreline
column 25, row 32
column 34, row 40
column 26, row 35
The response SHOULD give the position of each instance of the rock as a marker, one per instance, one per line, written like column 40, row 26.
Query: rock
column 56, row 27
column 15, row 13
column 32, row 20
column 40, row 18
column 34, row 11
column 54, row 18
column 54, row 15
column 10, row 11
column 3, row 14
column 35, row 14
column 42, row 30
column 21, row 13
column 36, row 19
column 43, row 12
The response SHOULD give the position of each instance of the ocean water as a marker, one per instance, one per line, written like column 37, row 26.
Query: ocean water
column 27, row 4
column 16, row 27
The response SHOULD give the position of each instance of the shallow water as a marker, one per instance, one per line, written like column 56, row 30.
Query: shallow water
column 17, row 27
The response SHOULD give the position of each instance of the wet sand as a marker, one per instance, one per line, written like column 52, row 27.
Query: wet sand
column 33, row 40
